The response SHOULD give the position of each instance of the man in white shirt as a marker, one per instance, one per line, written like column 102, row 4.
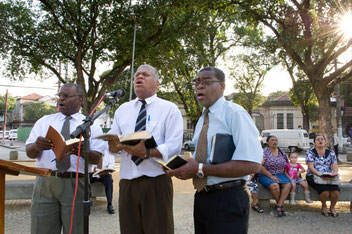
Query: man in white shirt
column 52, row 196
column 146, row 193
column 105, row 177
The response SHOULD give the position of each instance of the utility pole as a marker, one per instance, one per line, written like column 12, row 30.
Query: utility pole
column 338, row 109
column 133, row 17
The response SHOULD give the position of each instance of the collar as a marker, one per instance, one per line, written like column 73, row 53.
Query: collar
column 216, row 105
column 147, row 100
column 74, row 116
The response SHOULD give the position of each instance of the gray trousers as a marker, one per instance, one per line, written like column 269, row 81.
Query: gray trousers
column 52, row 204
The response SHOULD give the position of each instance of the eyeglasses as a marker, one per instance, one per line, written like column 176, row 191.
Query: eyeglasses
column 205, row 82
column 65, row 96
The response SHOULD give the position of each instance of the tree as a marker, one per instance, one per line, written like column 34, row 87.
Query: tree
column 308, row 32
column 10, row 103
column 36, row 110
column 276, row 94
column 218, row 30
column 249, row 73
column 85, row 34
column 301, row 93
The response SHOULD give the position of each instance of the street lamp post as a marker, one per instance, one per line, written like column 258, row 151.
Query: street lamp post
column 338, row 108
column 133, row 17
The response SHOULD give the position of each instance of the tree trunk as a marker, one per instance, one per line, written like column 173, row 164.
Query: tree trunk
column 325, row 118
column 305, row 115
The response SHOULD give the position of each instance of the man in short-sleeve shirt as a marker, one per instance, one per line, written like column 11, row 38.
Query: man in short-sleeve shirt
column 222, row 206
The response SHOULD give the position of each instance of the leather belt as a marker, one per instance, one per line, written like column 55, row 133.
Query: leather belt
column 66, row 174
column 225, row 185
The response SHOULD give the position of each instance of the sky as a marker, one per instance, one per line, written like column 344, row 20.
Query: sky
column 276, row 79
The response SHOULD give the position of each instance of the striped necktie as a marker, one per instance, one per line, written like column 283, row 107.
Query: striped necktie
column 201, row 153
column 65, row 163
column 140, row 126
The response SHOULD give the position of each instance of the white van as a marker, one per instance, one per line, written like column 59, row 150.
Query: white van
column 13, row 134
column 288, row 138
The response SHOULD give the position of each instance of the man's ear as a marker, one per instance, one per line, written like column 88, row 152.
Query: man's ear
column 157, row 84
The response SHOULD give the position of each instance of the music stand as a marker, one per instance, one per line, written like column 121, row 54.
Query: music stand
column 15, row 169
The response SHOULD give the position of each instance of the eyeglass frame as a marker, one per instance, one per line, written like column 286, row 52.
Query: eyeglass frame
column 205, row 81
column 65, row 96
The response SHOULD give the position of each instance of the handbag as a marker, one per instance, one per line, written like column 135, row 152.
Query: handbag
column 333, row 181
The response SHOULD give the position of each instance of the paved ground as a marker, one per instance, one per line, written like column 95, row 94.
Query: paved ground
column 302, row 218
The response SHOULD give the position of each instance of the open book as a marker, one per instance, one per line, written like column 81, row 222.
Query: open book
column 60, row 145
column 103, row 171
column 327, row 175
column 131, row 139
column 173, row 163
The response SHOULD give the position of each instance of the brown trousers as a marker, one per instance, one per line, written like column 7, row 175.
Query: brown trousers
column 146, row 205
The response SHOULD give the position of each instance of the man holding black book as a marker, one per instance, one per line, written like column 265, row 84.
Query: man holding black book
column 221, row 204
column 146, row 193
column 52, row 196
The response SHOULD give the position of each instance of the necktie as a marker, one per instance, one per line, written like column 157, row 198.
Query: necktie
column 140, row 126
column 64, row 164
column 201, row 153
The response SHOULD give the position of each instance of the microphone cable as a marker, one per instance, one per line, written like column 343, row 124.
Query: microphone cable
column 77, row 169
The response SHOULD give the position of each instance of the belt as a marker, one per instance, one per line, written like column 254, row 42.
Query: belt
column 225, row 185
column 66, row 174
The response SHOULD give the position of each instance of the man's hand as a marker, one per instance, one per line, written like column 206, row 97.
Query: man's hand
column 42, row 144
column 185, row 172
column 135, row 150
column 114, row 145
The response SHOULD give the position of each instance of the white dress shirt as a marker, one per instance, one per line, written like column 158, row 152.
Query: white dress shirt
column 164, row 122
column 47, row 158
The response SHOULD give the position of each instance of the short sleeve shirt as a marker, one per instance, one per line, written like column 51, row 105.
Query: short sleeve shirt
column 274, row 164
column 322, row 163
column 292, row 171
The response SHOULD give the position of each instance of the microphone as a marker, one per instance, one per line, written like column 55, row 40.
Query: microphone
column 116, row 94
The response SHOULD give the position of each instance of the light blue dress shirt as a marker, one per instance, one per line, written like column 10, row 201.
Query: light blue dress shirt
column 229, row 118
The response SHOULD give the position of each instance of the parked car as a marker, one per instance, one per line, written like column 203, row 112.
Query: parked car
column 7, row 134
column 288, row 138
column 13, row 134
column 188, row 145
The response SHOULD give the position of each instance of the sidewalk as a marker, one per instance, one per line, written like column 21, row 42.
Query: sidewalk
column 302, row 218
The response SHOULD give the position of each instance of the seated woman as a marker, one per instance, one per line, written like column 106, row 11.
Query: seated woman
column 272, row 174
column 320, row 159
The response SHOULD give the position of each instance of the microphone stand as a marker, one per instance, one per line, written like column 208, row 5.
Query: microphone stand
column 84, row 129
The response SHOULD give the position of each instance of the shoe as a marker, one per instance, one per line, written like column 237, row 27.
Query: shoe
column 325, row 213
column 257, row 208
column 334, row 214
column 292, row 198
column 111, row 210
column 307, row 197
column 277, row 211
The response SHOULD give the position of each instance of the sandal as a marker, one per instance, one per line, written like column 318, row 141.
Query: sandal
column 257, row 208
column 283, row 211
column 277, row 211
column 333, row 214
column 325, row 213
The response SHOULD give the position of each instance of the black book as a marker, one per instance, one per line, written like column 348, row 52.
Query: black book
column 222, row 148
column 173, row 163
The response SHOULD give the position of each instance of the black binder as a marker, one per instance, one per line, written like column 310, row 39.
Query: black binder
column 222, row 148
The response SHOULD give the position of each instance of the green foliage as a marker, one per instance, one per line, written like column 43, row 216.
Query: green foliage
column 276, row 94
column 302, row 95
column 36, row 110
column 249, row 73
column 10, row 103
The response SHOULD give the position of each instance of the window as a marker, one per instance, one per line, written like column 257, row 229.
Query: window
column 189, row 124
column 289, row 121
column 280, row 121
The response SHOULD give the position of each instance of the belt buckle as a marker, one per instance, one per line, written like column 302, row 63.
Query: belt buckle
column 55, row 174
column 206, row 189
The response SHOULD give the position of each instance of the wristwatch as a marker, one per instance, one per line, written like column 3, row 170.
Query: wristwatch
column 200, row 173
column 147, row 153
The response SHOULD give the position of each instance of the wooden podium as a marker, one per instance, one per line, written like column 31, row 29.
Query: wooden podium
column 11, row 168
